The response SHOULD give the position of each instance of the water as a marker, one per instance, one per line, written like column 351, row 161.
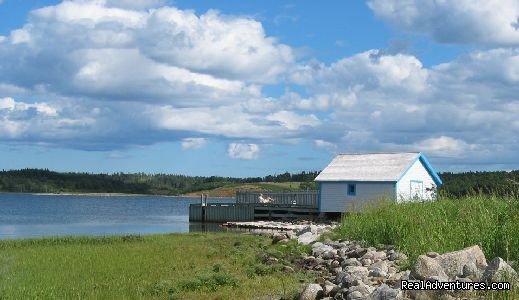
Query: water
column 26, row 215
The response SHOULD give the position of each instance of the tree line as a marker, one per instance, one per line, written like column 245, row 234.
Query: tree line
column 46, row 181
column 499, row 183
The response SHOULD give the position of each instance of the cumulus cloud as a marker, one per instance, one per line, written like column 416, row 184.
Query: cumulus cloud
column 105, row 75
column 491, row 22
column 232, row 121
column 243, row 151
column 125, row 54
column 222, row 46
column 193, row 143
column 376, row 101
column 444, row 146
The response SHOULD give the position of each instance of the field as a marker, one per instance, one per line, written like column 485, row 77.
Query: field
column 176, row 266
column 229, row 190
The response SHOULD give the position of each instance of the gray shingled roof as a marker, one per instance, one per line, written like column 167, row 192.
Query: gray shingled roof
column 368, row 167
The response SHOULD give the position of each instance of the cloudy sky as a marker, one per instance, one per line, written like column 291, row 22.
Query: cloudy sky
column 250, row 88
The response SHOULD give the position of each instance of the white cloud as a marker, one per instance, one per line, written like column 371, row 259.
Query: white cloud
column 135, row 4
column 325, row 145
column 444, row 146
column 232, row 121
column 181, row 58
column 392, row 102
column 293, row 121
column 214, row 44
column 11, row 105
column 101, row 75
column 193, row 143
column 243, row 151
column 491, row 22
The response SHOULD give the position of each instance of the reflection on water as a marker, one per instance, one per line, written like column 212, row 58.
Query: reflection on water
column 26, row 215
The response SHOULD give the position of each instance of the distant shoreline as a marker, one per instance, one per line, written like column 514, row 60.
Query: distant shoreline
column 110, row 195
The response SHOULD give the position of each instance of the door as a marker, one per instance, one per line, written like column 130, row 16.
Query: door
column 416, row 189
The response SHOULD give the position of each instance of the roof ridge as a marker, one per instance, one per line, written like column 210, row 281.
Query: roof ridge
column 364, row 153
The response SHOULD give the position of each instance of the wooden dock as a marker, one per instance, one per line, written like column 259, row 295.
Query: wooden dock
column 283, row 205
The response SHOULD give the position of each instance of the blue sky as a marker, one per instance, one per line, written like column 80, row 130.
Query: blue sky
column 251, row 88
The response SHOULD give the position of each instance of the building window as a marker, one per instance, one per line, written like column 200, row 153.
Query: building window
column 352, row 189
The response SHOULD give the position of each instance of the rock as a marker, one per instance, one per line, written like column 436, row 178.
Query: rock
column 330, row 289
column 319, row 248
column 356, row 295
column 384, row 292
column 435, row 278
column 279, row 236
column 366, row 262
column 368, row 254
column 426, row 267
column 379, row 255
column 351, row 262
column 303, row 230
column 453, row 262
column 499, row 270
column 329, row 254
column 377, row 273
column 359, row 252
column 361, row 271
column 471, row 271
column 346, row 280
column 307, row 238
column 312, row 291
column 382, row 265
column 362, row 288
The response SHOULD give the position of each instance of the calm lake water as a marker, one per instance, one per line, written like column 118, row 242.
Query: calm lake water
column 27, row 215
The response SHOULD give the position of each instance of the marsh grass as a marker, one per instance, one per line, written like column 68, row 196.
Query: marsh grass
column 441, row 226
column 176, row 266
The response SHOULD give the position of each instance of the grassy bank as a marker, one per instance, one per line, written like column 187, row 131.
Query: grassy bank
column 441, row 226
column 176, row 266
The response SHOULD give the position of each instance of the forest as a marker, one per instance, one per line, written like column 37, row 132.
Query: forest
column 46, row 181
column 498, row 183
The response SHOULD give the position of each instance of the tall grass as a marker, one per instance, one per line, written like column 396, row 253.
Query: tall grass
column 440, row 226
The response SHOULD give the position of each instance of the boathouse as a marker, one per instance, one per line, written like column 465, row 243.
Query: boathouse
column 351, row 181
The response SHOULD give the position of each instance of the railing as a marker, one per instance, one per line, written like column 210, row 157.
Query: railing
column 302, row 198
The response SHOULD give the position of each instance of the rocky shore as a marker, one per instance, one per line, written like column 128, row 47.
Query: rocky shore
column 350, row 270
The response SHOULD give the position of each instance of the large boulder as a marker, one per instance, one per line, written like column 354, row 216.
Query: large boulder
column 312, row 291
column 499, row 270
column 426, row 267
column 453, row 262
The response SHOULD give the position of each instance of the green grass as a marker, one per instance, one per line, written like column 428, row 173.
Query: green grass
column 229, row 189
column 176, row 266
column 441, row 226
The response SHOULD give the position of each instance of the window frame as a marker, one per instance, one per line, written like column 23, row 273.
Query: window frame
column 349, row 189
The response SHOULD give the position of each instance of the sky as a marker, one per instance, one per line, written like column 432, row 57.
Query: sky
column 252, row 88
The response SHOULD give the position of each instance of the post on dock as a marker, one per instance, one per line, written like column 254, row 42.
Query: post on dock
column 203, row 205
